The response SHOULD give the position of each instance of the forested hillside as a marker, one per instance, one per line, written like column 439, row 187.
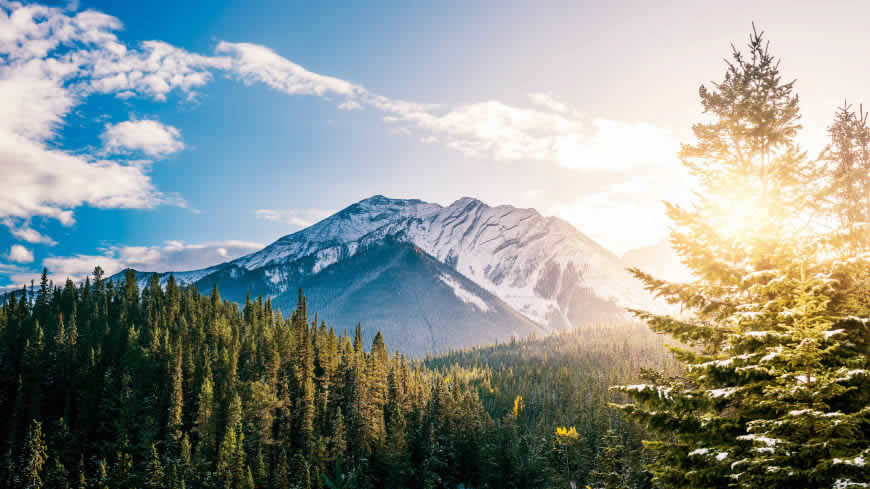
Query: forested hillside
column 566, row 430
column 108, row 386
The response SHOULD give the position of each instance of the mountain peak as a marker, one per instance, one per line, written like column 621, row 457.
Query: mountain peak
column 467, row 200
column 377, row 198
column 380, row 200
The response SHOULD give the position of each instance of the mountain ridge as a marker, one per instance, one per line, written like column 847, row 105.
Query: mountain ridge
column 543, row 267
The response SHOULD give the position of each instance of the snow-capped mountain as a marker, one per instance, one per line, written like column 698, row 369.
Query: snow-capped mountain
column 541, row 266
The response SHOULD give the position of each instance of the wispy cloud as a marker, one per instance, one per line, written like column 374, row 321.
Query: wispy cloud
column 171, row 256
column 548, row 101
column 255, row 63
column 296, row 217
column 22, row 231
column 551, row 131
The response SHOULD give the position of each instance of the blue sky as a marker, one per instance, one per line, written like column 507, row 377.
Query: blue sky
column 250, row 119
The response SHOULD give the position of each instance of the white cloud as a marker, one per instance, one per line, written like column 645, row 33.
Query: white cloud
column 297, row 217
column 350, row 105
column 37, row 181
column 492, row 129
column 171, row 256
column 179, row 256
column 73, row 267
column 154, row 70
column 268, row 214
column 252, row 62
column 150, row 137
column 53, row 59
column 20, row 254
column 547, row 101
column 24, row 232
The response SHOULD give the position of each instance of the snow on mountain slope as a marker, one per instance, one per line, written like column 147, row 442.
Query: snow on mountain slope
column 464, row 295
column 346, row 226
column 537, row 264
column 420, row 304
column 541, row 266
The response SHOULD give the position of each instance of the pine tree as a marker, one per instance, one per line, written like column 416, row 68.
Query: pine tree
column 846, row 191
column 565, row 448
column 102, row 480
column 396, row 449
column 338, row 443
column 609, row 471
column 41, row 306
column 122, row 475
column 379, row 349
column 301, row 475
column 765, row 399
column 177, row 389
column 260, row 472
column 226, row 462
column 175, row 421
column 205, row 419
column 34, row 459
column 184, row 470
column 248, row 482
column 155, row 478
column 82, row 482
column 56, row 476
column 281, row 471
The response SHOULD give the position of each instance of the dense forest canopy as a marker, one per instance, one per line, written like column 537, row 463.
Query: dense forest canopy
column 108, row 386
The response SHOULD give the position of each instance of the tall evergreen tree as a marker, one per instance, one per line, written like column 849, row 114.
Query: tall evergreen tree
column 765, row 401
column 609, row 471
column 846, row 191
column 33, row 458
column 155, row 478
column 175, row 421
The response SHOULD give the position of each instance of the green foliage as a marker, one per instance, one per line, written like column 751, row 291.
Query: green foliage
column 563, row 381
column 34, row 458
column 154, row 476
column 172, row 388
column 774, row 393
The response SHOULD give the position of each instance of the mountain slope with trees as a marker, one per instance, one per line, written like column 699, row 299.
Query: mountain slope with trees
column 395, row 288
